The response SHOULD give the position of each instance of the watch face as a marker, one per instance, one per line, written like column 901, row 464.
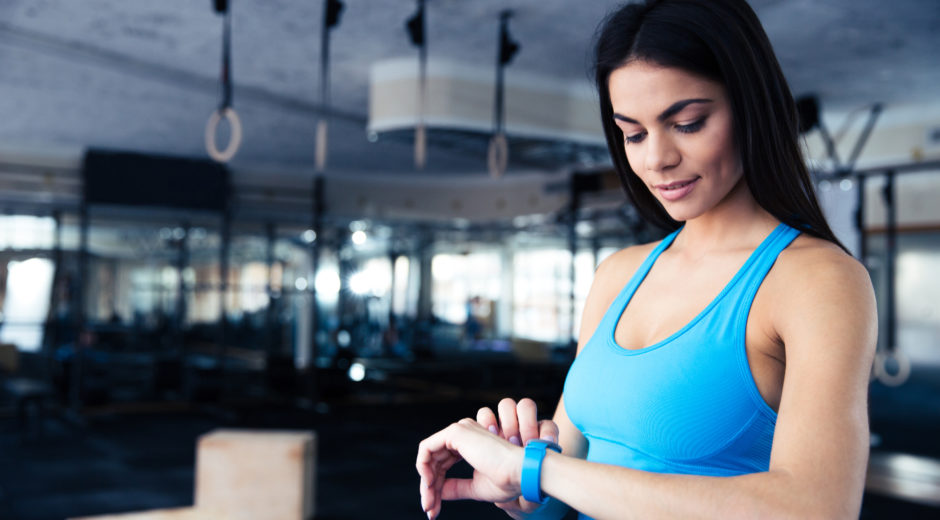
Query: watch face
column 547, row 444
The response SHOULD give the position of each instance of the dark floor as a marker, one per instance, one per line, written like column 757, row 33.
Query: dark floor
column 139, row 458
column 132, row 462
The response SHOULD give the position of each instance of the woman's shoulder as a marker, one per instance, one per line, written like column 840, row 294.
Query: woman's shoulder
column 623, row 263
column 823, row 306
column 809, row 257
column 813, row 271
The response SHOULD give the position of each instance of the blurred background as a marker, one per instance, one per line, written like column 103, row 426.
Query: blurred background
column 417, row 196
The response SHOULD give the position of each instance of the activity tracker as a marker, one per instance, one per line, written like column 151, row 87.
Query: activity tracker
column 532, row 469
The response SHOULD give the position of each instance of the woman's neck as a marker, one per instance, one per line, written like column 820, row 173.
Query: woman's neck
column 736, row 222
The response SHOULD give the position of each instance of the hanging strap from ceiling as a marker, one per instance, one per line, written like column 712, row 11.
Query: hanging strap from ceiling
column 498, row 153
column 225, row 109
column 417, row 30
column 332, row 9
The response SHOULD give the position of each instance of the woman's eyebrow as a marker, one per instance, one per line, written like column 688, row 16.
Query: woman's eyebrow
column 669, row 112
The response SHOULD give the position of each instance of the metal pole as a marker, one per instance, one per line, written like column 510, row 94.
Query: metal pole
column 574, row 204
column 270, row 317
column 75, row 388
column 860, row 219
column 52, row 328
column 393, row 255
column 862, row 139
column 888, row 192
column 317, row 226
column 224, row 249
column 182, row 260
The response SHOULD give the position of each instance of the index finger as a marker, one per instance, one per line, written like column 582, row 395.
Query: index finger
column 548, row 430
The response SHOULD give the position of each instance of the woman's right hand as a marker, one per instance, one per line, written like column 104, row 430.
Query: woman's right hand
column 518, row 423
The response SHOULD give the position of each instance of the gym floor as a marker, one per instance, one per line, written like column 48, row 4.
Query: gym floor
column 137, row 458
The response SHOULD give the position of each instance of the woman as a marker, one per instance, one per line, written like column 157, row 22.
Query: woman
column 721, row 372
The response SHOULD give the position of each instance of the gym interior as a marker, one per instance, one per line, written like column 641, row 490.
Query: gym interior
column 338, row 226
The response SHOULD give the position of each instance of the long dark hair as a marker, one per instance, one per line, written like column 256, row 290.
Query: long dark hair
column 721, row 40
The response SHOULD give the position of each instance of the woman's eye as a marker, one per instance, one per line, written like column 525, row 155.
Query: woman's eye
column 692, row 127
column 635, row 138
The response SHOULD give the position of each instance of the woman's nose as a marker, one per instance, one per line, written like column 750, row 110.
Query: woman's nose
column 661, row 153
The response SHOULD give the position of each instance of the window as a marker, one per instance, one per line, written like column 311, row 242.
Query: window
column 542, row 293
column 26, row 232
column 917, row 285
column 401, row 303
column 26, row 302
column 459, row 278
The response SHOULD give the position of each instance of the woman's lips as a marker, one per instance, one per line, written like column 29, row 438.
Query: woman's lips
column 677, row 190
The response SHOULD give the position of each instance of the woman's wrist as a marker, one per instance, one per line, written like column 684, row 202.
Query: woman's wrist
column 515, row 476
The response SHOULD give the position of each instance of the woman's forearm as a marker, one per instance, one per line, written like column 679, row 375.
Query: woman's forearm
column 610, row 492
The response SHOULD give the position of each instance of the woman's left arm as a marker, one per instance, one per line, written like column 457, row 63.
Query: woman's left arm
column 825, row 314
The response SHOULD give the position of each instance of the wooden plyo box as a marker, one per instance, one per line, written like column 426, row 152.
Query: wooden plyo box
column 256, row 475
column 183, row 513
column 247, row 475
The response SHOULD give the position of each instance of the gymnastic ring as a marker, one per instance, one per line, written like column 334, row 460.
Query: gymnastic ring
column 497, row 157
column 234, row 142
column 881, row 368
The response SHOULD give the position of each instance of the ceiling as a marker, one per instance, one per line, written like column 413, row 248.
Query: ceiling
column 142, row 75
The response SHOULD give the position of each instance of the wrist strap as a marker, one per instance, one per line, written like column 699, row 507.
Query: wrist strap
column 531, row 477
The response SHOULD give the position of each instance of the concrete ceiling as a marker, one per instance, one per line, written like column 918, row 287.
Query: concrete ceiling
column 142, row 75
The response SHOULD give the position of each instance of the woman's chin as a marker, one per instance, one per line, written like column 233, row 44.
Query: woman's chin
column 680, row 214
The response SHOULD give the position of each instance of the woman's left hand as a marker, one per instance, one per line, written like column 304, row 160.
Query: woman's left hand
column 496, row 464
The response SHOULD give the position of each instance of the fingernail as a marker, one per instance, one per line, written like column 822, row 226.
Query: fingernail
column 550, row 438
column 493, row 430
column 515, row 440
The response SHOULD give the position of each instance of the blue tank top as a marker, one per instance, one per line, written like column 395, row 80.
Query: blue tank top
column 687, row 404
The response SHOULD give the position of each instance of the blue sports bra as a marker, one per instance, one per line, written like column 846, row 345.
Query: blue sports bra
column 687, row 404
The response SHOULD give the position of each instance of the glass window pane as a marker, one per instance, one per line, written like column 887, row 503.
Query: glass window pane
column 457, row 279
column 26, row 302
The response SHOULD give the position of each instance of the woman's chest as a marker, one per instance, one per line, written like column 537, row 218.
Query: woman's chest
column 683, row 399
column 668, row 303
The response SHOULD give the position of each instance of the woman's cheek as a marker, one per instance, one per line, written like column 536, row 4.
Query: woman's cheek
column 632, row 160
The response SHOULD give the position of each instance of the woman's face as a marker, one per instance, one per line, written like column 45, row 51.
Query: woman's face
column 678, row 136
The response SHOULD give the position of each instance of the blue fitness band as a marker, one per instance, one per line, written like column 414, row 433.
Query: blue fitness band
column 532, row 469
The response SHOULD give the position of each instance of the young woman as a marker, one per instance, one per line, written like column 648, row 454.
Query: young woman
column 723, row 371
